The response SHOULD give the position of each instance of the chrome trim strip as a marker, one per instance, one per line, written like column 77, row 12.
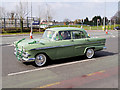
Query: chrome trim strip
column 26, row 59
column 52, row 47
column 67, row 45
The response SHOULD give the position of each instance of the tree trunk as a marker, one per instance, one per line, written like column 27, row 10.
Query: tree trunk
column 21, row 24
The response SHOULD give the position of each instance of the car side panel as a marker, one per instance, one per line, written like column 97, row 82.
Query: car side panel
column 65, row 49
column 81, row 45
column 56, row 49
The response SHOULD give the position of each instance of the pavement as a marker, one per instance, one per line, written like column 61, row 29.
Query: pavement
column 76, row 72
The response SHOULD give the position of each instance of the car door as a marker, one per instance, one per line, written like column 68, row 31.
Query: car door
column 65, row 45
column 80, row 42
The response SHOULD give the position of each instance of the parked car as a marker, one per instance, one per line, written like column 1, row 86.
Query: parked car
column 116, row 28
column 57, row 43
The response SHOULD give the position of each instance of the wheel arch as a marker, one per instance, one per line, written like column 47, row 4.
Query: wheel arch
column 44, row 54
column 88, row 48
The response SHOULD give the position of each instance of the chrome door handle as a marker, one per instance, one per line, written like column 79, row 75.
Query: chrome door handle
column 87, row 39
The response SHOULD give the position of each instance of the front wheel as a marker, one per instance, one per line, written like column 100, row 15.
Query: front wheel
column 40, row 60
column 90, row 53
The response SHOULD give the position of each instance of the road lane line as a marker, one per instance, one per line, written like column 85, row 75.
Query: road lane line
column 48, row 67
column 70, row 82
column 91, row 74
column 113, row 36
column 95, row 73
column 102, row 71
column 48, row 85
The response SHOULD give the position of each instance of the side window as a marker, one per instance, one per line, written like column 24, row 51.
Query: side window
column 78, row 34
column 64, row 35
column 82, row 35
column 56, row 37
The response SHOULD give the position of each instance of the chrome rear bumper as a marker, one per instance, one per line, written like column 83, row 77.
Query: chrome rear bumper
column 104, row 48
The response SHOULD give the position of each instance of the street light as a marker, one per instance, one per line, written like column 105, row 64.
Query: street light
column 104, row 15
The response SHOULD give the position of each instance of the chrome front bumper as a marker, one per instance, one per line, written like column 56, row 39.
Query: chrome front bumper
column 24, row 59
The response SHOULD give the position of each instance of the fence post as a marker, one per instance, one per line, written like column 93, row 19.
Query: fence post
column 21, row 25
column 4, row 23
column 27, row 23
column 0, row 25
column 15, row 23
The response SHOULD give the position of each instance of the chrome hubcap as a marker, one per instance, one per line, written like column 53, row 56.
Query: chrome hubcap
column 40, row 59
column 90, row 53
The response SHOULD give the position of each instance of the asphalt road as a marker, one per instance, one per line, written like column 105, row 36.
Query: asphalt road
column 77, row 72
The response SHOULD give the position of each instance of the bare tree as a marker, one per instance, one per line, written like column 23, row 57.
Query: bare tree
column 3, row 12
column 40, row 13
column 21, row 12
column 0, row 12
column 66, row 20
column 6, row 14
column 21, row 9
column 48, row 14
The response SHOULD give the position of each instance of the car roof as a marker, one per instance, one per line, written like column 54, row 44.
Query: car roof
column 64, row 28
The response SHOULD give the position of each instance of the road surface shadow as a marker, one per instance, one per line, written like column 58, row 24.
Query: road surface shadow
column 78, row 58
column 4, row 44
column 103, row 54
column 98, row 54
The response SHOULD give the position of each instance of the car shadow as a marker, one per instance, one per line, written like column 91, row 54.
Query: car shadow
column 98, row 54
column 103, row 54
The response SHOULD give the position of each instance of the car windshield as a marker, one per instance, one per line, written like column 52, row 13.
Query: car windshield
column 48, row 34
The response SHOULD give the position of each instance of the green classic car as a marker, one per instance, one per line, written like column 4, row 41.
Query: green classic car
column 57, row 43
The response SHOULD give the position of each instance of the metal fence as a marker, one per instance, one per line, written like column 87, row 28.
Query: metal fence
column 7, row 22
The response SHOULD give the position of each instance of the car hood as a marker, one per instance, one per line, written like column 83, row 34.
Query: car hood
column 30, row 43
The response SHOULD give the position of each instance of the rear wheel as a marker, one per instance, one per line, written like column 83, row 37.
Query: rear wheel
column 40, row 60
column 90, row 53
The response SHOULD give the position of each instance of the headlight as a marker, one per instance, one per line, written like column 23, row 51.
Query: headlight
column 14, row 44
column 25, row 54
column 24, row 50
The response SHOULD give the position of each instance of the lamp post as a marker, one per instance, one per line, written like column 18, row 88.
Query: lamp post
column 104, row 15
column 31, row 24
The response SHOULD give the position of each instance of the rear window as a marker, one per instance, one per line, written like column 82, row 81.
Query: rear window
column 78, row 34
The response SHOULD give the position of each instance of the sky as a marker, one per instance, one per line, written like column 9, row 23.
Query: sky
column 71, row 9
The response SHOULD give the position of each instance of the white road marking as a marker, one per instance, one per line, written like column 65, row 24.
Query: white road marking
column 48, row 67
column 113, row 36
